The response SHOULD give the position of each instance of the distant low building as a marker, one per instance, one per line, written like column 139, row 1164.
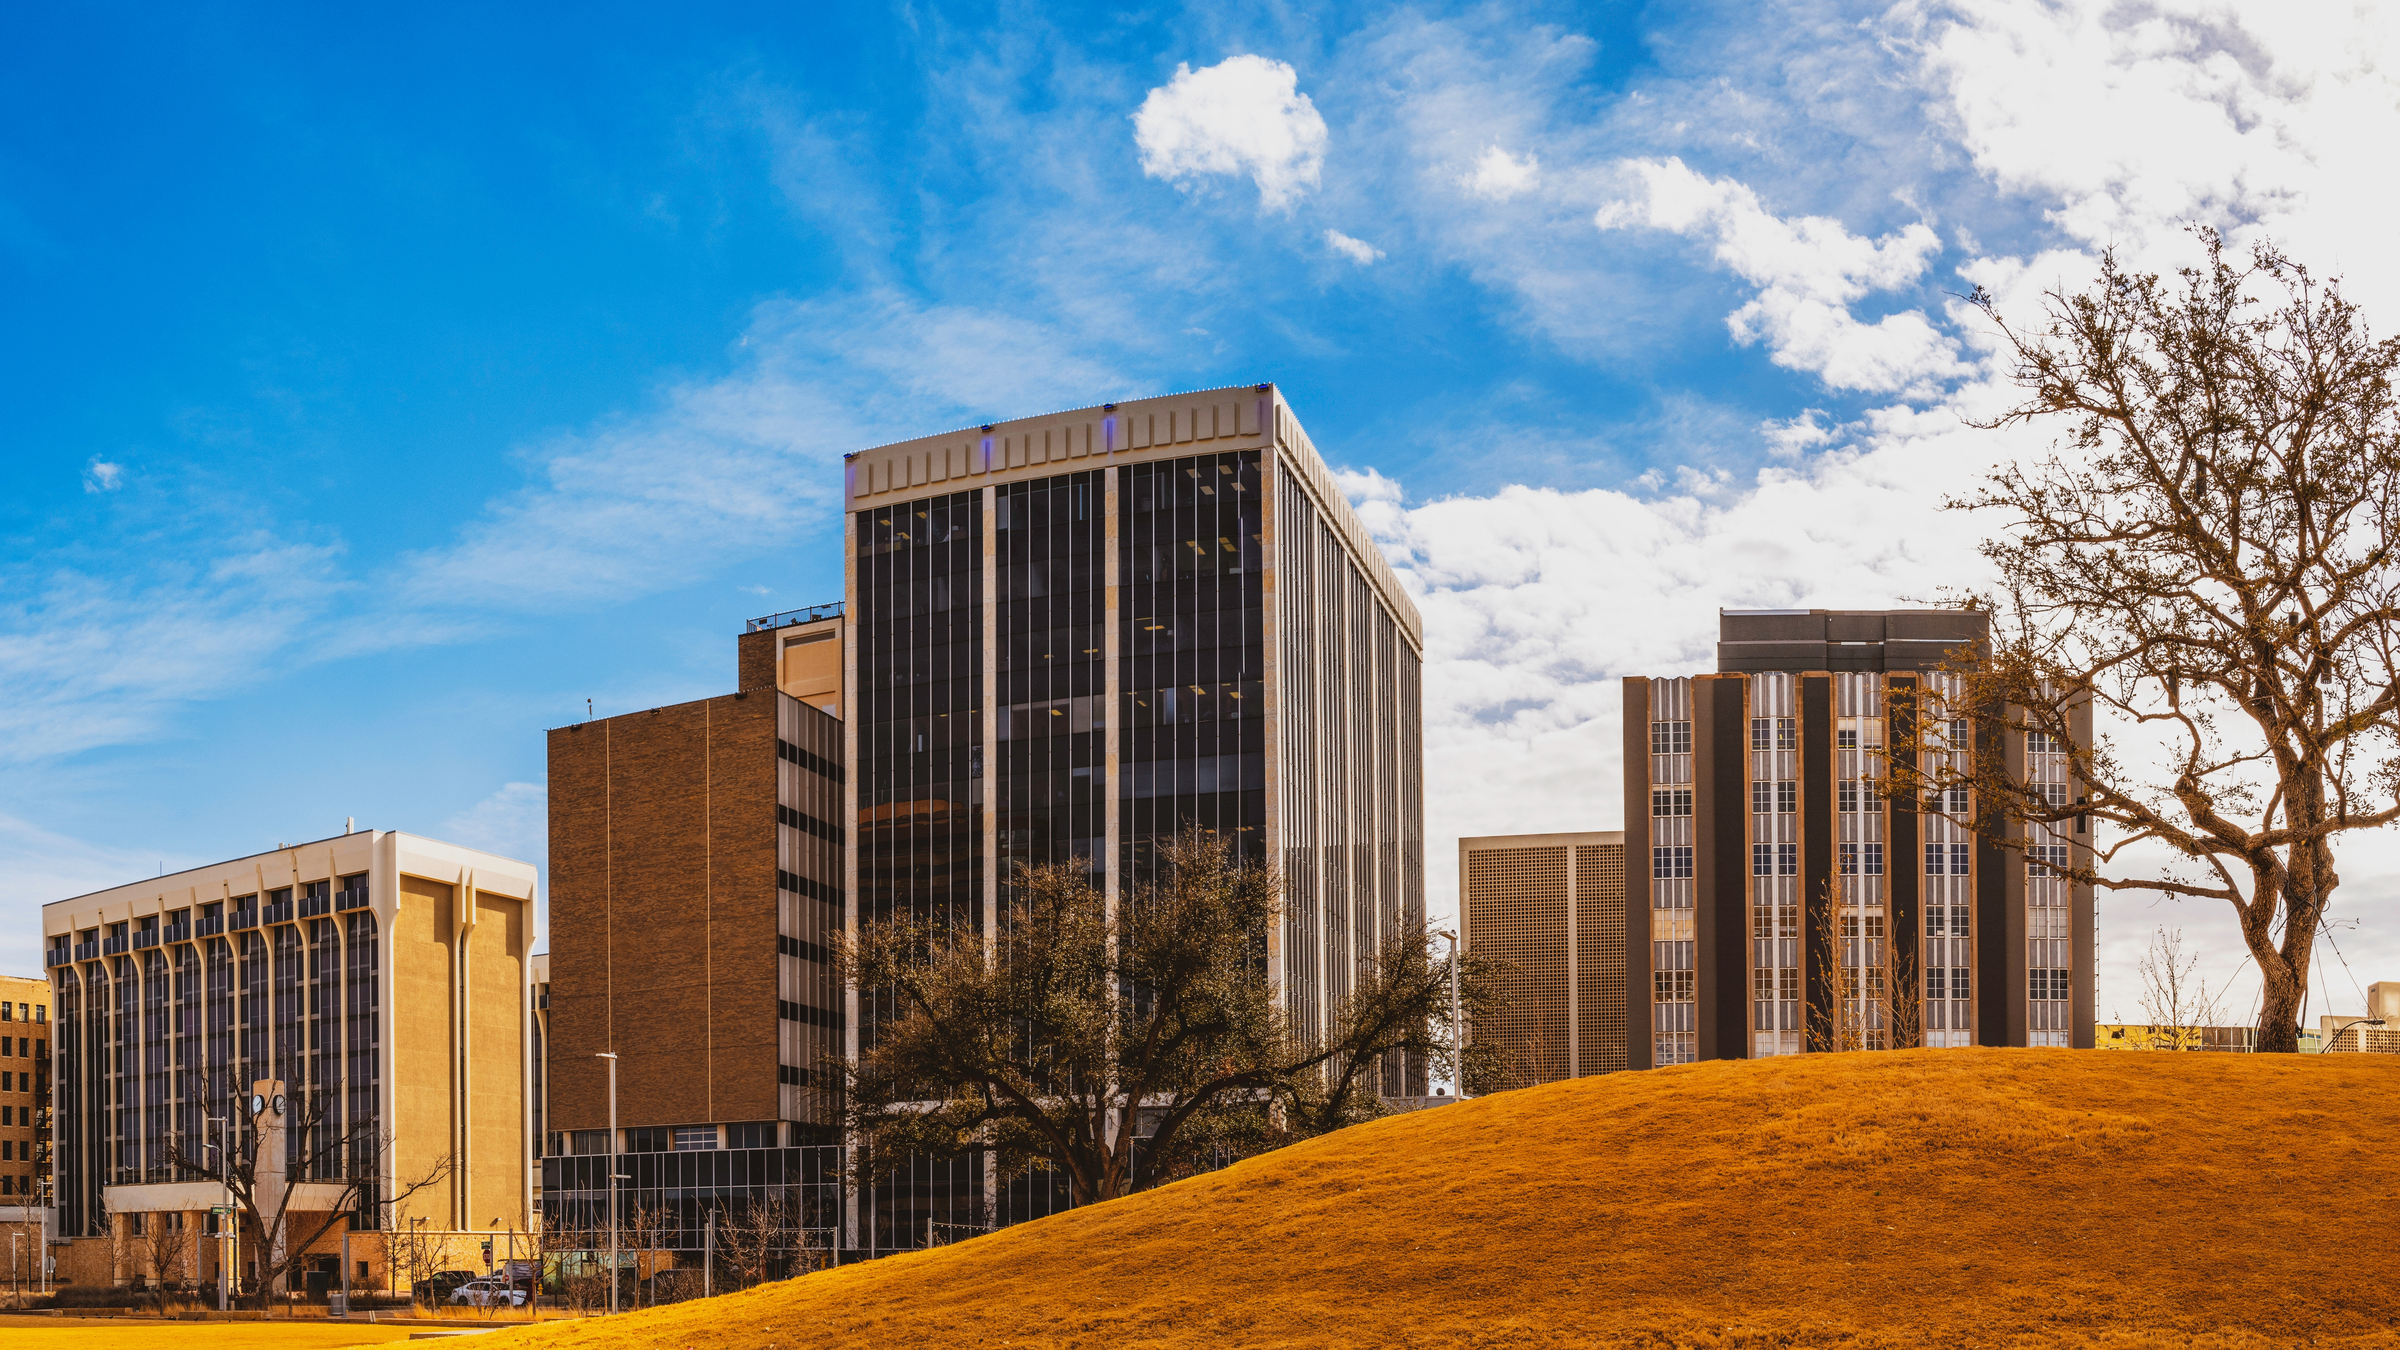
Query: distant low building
column 2376, row 1032
column 1553, row 907
column 2135, row 1036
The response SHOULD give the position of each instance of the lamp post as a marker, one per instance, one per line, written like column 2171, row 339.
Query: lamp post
column 1458, row 1071
column 611, row 1057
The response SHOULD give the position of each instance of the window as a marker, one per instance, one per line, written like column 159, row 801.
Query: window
column 1762, row 797
column 1670, row 738
column 2049, row 986
column 1845, row 739
column 2042, row 743
column 695, row 1138
column 1787, row 733
column 1950, row 859
column 2043, row 860
column 1762, row 733
column 1670, row 862
column 1954, row 800
column 2054, row 793
column 1961, row 736
column 1671, row 802
column 1848, row 794
column 1849, row 860
column 1871, row 858
column 1775, row 860
column 590, row 1143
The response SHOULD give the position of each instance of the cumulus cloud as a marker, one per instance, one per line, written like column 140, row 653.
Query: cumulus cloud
column 1356, row 250
column 1809, row 271
column 102, row 476
column 1245, row 114
column 1499, row 175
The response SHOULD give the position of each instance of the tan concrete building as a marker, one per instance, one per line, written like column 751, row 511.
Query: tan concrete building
column 24, row 1090
column 376, row 983
column 1553, row 907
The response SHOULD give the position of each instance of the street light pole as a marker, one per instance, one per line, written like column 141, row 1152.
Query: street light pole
column 1458, row 1071
column 611, row 1057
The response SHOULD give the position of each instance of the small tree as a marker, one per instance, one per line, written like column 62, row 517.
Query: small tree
column 752, row 1236
column 2175, row 996
column 167, row 1242
column 1874, row 1001
column 1116, row 1045
column 2206, row 560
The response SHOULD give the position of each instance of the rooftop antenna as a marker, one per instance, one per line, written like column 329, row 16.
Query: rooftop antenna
column 349, row 824
column 587, row 710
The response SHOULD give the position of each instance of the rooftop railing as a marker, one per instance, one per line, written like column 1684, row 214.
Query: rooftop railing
column 831, row 610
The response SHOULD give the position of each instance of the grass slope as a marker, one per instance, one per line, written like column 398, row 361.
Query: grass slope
column 1953, row 1198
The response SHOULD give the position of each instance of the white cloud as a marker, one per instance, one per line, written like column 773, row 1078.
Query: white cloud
column 1245, row 114
column 1499, row 175
column 735, row 465
column 1809, row 271
column 1356, row 250
column 102, row 476
column 512, row 822
column 38, row 866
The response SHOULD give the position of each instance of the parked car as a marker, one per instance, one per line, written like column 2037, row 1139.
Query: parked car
column 489, row 1294
column 437, row 1286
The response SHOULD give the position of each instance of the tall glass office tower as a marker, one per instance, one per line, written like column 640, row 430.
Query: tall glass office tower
column 1072, row 636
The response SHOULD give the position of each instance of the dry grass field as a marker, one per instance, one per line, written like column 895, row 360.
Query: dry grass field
column 1928, row 1198
column 101, row 1333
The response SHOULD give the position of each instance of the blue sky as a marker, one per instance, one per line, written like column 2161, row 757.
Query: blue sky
column 384, row 387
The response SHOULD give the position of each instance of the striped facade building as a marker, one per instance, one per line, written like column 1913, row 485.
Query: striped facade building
column 1775, row 894
column 1073, row 636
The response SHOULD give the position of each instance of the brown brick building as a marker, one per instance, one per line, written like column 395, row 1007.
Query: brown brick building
column 696, row 865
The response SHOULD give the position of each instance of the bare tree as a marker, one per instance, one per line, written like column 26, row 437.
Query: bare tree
column 349, row 1162
column 1869, row 982
column 2175, row 996
column 752, row 1236
column 2207, row 560
column 645, row 1226
column 167, row 1243
column 410, row 1253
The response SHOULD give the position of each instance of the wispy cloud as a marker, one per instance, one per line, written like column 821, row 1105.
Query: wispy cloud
column 1356, row 250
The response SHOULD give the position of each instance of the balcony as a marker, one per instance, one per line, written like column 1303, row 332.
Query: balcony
column 829, row 610
column 145, row 939
column 87, row 951
column 243, row 918
column 312, row 906
column 355, row 898
column 176, row 932
column 210, row 927
column 114, row 946
column 59, row 956
column 279, row 913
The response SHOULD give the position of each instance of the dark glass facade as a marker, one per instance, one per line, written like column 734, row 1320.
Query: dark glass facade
column 1192, row 634
column 919, row 780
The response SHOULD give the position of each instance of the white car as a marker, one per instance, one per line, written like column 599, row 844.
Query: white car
column 489, row 1293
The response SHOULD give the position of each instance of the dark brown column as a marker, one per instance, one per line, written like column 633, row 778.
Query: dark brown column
column 1720, row 832
column 1637, row 873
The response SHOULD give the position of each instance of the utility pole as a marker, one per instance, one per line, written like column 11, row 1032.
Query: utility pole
column 613, row 1178
column 1458, row 1070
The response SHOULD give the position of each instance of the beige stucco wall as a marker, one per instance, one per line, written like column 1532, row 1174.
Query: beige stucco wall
column 496, row 1048
column 423, row 1029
